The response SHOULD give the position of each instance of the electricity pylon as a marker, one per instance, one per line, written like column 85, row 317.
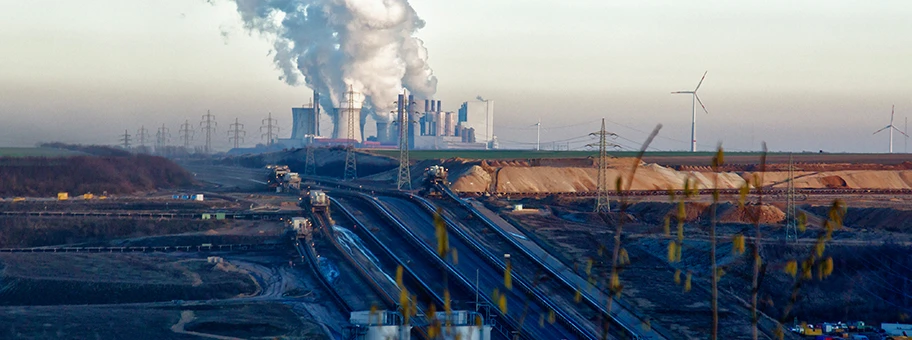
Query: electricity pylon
column 310, row 164
column 141, row 135
column 186, row 133
column 125, row 140
column 404, row 179
column 351, row 165
column 271, row 127
column 208, row 124
column 602, row 204
column 236, row 133
column 791, row 228
column 162, row 136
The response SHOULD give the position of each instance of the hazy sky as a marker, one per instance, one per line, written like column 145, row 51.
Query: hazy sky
column 802, row 75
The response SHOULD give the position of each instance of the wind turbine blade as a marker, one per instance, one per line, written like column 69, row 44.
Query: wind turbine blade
column 892, row 109
column 884, row 128
column 898, row 130
column 701, row 102
column 680, row 92
column 701, row 81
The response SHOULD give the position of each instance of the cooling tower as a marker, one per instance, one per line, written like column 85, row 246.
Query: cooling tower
column 344, row 113
column 383, row 133
column 306, row 120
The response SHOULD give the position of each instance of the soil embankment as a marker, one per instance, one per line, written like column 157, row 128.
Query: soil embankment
column 556, row 176
column 77, row 175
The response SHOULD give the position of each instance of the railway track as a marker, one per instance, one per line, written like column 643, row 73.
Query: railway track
column 527, row 308
column 376, row 229
column 372, row 271
column 558, row 281
column 422, row 276
column 359, row 290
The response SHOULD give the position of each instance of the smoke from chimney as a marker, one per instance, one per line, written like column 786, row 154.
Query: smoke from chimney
column 330, row 44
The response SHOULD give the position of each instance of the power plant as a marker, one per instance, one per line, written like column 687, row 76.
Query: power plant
column 429, row 127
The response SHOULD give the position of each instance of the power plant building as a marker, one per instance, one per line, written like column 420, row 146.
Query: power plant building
column 479, row 115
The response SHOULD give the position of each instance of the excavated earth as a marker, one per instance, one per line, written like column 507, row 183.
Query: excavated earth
column 580, row 175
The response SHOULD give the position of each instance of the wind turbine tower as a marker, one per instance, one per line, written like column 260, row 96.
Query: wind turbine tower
column 693, row 120
column 891, row 127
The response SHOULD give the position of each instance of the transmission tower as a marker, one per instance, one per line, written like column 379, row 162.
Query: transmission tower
column 186, row 133
column 791, row 228
column 236, row 133
column 141, row 136
column 208, row 125
column 271, row 128
column 310, row 165
column 162, row 136
column 404, row 179
column 602, row 203
column 351, row 166
column 125, row 140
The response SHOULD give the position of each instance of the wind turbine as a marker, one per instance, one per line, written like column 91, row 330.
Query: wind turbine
column 891, row 127
column 693, row 120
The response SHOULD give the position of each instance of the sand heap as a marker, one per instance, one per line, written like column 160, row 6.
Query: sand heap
column 529, row 177
column 521, row 178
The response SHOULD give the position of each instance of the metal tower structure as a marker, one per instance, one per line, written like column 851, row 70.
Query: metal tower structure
column 351, row 165
column 141, row 135
column 236, row 133
column 271, row 126
column 125, row 140
column 208, row 124
column 791, row 228
column 310, row 164
column 602, row 204
column 404, row 179
column 162, row 136
column 186, row 133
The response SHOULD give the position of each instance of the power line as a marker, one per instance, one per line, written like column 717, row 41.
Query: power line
column 209, row 125
column 271, row 127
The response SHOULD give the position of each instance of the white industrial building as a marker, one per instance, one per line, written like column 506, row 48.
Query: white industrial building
column 479, row 115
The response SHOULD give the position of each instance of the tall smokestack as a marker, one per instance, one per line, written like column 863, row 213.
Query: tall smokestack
column 439, row 106
column 316, row 113
column 433, row 106
column 427, row 105
column 410, row 105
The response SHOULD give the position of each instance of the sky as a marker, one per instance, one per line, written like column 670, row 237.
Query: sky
column 800, row 75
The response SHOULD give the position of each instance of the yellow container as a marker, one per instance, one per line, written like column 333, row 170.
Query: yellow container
column 88, row 196
column 18, row 199
column 62, row 196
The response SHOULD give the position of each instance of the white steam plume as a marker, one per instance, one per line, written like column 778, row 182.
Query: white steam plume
column 368, row 44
